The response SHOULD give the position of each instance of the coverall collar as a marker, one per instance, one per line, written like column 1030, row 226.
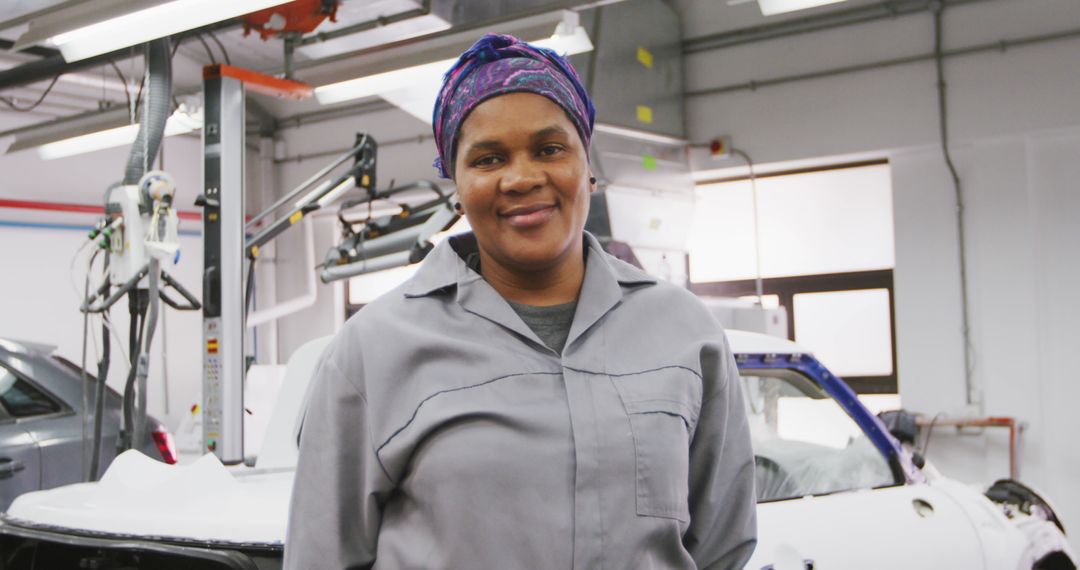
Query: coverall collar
column 602, row 289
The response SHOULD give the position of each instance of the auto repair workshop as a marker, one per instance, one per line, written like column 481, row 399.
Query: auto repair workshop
column 539, row 284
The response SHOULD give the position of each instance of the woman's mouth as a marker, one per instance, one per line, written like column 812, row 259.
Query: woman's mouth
column 529, row 216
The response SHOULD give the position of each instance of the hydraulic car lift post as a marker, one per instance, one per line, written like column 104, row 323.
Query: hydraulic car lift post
column 223, row 269
column 223, row 250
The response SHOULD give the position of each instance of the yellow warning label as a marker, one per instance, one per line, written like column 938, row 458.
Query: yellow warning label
column 365, row 181
column 254, row 251
column 296, row 217
column 644, row 114
column 213, row 216
column 644, row 57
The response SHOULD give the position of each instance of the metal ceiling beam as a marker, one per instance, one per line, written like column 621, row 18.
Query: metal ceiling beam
column 24, row 18
column 446, row 35
column 38, row 51
column 379, row 22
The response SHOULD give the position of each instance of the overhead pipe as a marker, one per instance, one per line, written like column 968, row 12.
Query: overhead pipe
column 302, row 301
column 302, row 157
column 1001, row 45
column 815, row 23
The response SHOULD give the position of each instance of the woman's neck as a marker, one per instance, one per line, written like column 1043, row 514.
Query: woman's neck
column 560, row 283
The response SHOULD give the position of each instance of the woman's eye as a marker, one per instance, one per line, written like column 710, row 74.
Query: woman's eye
column 486, row 160
column 550, row 150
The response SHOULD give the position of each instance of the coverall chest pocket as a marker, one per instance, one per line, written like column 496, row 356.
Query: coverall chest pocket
column 662, row 407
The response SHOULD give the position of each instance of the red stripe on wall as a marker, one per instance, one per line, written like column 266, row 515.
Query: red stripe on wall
column 76, row 208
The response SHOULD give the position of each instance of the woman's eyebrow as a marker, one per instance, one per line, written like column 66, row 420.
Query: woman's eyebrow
column 549, row 131
column 485, row 145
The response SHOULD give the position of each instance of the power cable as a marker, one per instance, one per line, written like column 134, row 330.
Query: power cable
column 123, row 79
column 938, row 8
column 82, row 364
column 929, row 433
column 221, row 46
column 758, row 285
column 10, row 102
column 206, row 46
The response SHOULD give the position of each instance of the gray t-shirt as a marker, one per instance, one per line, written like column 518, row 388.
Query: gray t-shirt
column 551, row 323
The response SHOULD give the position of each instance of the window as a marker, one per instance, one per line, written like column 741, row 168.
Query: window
column 849, row 330
column 828, row 221
column 826, row 256
column 804, row 442
column 23, row 400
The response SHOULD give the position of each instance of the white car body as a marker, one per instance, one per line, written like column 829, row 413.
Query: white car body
column 925, row 521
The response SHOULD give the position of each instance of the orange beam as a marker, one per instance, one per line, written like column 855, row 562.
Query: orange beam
column 261, row 83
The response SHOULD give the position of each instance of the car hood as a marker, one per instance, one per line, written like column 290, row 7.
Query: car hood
column 138, row 496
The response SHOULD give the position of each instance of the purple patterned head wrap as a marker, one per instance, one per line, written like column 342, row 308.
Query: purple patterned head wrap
column 496, row 65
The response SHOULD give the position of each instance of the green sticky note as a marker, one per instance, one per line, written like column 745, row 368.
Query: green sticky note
column 648, row 161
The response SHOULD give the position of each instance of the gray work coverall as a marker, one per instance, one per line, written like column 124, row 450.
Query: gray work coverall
column 442, row 433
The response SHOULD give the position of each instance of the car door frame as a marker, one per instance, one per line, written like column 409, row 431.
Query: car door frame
column 20, row 466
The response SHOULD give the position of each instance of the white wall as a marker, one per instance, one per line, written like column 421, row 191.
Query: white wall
column 1015, row 123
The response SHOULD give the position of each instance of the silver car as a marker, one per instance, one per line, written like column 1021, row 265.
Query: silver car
column 41, row 432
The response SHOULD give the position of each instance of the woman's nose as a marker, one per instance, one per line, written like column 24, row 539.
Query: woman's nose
column 522, row 176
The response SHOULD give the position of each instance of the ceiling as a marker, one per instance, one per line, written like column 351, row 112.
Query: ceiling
column 112, row 85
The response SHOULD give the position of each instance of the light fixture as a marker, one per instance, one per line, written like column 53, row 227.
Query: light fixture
column 180, row 122
column 95, row 28
column 411, row 87
column 639, row 135
column 774, row 7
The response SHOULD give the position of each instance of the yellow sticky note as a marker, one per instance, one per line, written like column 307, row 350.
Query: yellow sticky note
column 644, row 56
column 296, row 217
column 644, row 114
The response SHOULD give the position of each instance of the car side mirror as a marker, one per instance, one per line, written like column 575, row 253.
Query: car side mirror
column 901, row 424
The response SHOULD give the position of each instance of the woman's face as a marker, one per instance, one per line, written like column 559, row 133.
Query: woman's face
column 522, row 178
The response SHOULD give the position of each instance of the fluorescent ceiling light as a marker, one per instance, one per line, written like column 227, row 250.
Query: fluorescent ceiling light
column 401, row 81
column 150, row 23
column 179, row 123
column 773, row 7
column 637, row 134
column 395, row 32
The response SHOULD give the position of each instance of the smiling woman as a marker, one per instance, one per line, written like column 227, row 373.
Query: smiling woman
column 524, row 187
column 525, row 400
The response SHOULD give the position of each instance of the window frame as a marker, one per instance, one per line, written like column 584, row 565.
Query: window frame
column 895, row 469
column 787, row 287
column 63, row 408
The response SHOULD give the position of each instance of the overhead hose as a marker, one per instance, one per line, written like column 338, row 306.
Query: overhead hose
column 156, row 111
column 143, row 363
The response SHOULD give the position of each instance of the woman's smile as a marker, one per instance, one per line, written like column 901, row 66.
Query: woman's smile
column 529, row 216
